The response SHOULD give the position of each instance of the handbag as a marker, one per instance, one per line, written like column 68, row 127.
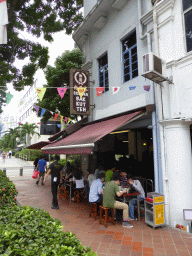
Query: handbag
column 35, row 174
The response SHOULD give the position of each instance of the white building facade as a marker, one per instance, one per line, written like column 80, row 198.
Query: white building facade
column 114, row 37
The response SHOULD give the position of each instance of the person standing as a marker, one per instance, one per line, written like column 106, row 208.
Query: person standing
column 56, row 178
column 41, row 166
column 10, row 153
column 3, row 156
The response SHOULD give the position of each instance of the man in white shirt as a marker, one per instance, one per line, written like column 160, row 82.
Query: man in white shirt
column 137, row 186
column 96, row 191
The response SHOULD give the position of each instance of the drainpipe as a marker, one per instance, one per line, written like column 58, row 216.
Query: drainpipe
column 158, row 94
column 154, row 129
column 139, row 17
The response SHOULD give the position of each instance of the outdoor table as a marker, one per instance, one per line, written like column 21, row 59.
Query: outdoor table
column 138, row 203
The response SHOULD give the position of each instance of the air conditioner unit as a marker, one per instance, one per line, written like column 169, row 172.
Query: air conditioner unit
column 154, row 68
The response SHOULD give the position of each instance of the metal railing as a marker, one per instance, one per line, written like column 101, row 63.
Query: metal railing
column 147, row 184
column 24, row 157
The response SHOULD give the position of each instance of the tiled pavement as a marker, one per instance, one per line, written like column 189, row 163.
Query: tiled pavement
column 113, row 240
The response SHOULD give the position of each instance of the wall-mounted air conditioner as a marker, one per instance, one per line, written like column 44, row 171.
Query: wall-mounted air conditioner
column 154, row 68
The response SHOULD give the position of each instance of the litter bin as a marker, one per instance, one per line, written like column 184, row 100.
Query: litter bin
column 154, row 209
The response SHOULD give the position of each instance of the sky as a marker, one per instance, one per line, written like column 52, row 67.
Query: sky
column 61, row 43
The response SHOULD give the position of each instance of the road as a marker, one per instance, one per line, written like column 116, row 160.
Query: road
column 13, row 165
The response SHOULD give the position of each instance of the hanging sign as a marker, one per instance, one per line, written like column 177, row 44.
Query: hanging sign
column 79, row 92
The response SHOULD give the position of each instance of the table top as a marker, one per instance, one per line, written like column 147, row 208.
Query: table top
column 131, row 194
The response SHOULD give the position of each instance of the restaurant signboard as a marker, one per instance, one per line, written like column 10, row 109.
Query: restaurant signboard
column 79, row 92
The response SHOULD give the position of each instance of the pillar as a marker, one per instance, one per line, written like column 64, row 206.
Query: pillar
column 178, row 169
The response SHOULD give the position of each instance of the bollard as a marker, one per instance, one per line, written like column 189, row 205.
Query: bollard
column 4, row 170
column 21, row 171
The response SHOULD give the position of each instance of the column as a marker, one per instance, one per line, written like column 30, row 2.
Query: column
column 178, row 169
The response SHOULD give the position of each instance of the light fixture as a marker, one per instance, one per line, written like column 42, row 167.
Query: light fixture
column 119, row 131
column 125, row 141
column 144, row 144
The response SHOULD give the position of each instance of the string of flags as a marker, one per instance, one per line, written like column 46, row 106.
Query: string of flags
column 62, row 118
column 81, row 90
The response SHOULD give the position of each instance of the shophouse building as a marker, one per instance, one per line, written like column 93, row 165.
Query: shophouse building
column 134, row 115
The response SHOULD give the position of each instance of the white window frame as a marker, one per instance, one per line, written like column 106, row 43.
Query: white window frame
column 184, row 25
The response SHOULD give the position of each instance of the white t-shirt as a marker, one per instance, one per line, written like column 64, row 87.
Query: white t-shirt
column 79, row 183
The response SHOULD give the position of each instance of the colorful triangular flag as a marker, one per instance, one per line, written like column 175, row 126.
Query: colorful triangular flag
column 52, row 113
column 147, row 87
column 99, row 90
column 56, row 115
column 115, row 90
column 81, row 90
column 61, row 119
column 9, row 96
column 41, row 92
column 61, row 91
column 66, row 119
column 42, row 112
column 37, row 109
column 59, row 125
column 132, row 87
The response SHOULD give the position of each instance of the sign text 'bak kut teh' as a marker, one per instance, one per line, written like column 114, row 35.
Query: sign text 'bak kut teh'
column 79, row 92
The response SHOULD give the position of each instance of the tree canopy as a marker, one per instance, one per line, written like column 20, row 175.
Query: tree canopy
column 58, row 76
column 39, row 18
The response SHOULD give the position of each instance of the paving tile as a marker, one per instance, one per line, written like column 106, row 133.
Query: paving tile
column 125, row 238
column 124, row 253
column 137, row 246
column 101, row 232
column 127, row 242
column 147, row 250
column 113, row 252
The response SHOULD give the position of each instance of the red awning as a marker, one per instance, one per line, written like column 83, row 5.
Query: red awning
column 82, row 141
column 39, row 145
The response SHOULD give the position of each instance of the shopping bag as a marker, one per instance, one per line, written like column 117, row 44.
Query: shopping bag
column 35, row 174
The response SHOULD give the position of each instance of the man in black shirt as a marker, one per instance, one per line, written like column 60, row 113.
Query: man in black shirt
column 56, row 178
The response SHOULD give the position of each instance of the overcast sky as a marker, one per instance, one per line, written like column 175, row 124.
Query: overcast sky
column 61, row 43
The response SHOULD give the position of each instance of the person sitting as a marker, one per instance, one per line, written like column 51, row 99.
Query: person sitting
column 91, row 178
column 109, row 199
column 124, row 181
column 78, row 180
column 109, row 174
column 96, row 191
column 135, row 184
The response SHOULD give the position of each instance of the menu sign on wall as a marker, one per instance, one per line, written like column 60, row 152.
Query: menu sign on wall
column 79, row 92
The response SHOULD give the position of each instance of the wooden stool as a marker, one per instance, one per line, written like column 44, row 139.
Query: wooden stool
column 105, row 218
column 93, row 210
column 76, row 196
column 63, row 193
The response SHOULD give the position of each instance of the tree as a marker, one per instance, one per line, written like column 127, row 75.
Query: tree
column 58, row 76
column 9, row 139
column 39, row 18
column 27, row 130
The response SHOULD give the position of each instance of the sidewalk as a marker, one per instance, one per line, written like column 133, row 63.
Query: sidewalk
column 114, row 240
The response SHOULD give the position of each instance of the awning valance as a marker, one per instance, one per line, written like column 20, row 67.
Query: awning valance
column 39, row 145
column 82, row 141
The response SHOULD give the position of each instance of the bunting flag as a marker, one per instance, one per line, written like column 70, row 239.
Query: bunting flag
column 61, row 91
column 51, row 112
column 9, row 96
column 132, row 87
column 21, row 102
column 59, row 125
column 81, row 90
column 99, row 90
column 42, row 112
column 41, row 92
column 66, row 119
column 115, row 90
column 61, row 119
column 56, row 115
column 19, row 123
column 37, row 109
column 147, row 87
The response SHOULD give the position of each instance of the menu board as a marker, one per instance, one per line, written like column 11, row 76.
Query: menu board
column 84, row 163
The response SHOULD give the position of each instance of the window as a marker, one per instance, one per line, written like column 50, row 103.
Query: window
column 187, row 10
column 130, row 62
column 103, row 72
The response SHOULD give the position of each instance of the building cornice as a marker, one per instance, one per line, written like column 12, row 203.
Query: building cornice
column 87, row 65
column 161, row 7
column 180, row 61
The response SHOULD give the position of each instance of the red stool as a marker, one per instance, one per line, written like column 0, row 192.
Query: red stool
column 105, row 218
column 63, row 193
column 93, row 210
